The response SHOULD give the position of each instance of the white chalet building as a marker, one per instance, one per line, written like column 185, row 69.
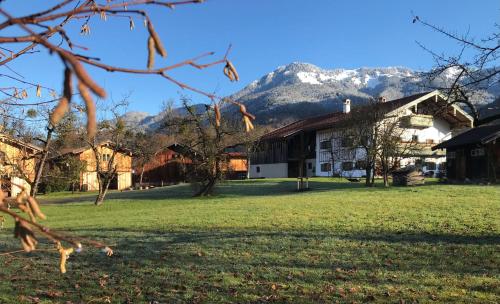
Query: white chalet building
column 305, row 148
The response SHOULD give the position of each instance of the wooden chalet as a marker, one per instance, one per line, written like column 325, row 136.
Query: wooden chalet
column 17, row 164
column 88, row 178
column 473, row 155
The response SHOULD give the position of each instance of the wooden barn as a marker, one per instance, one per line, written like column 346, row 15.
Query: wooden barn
column 17, row 164
column 286, row 152
column 173, row 164
column 169, row 166
column 473, row 155
column 122, row 162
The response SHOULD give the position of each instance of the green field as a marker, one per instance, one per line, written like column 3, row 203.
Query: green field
column 260, row 241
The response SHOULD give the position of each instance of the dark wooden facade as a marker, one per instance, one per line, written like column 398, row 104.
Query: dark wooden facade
column 174, row 164
column 474, row 155
column 293, row 149
column 474, row 162
column 168, row 167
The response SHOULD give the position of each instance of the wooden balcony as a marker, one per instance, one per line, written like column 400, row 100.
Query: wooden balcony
column 417, row 121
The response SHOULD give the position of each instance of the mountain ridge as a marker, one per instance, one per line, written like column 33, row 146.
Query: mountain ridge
column 299, row 90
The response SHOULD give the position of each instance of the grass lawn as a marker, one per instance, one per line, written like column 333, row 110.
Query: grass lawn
column 259, row 241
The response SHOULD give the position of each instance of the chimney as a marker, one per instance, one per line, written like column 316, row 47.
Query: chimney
column 347, row 106
column 382, row 99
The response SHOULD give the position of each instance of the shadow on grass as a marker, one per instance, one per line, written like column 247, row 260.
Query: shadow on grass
column 232, row 189
column 420, row 250
column 235, row 266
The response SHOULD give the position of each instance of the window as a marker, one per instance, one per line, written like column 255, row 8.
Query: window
column 414, row 138
column 325, row 145
column 106, row 157
column 326, row 167
column 347, row 142
column 257, row 169
column 309, row 166
column 347, row 166
column 360, row 165
column 430, row 165
column 442, row 166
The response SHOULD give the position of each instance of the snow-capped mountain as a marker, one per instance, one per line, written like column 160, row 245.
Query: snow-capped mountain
column 300, row 90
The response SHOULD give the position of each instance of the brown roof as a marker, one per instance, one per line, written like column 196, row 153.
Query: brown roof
column 479, row 135
column 329, row 120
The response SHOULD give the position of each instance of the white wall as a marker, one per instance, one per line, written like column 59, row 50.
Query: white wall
column 89, row 180
column 440, row 131
column 17, row 181
column 310, row 167
column 269, row 170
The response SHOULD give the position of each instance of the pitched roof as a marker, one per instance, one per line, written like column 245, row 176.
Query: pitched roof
column 79, row 150
column 479, row 135
column 329, row 120
column 5, row 137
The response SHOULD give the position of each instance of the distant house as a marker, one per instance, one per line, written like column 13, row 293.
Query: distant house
column 303, row 148
column 174, row 164
column 169, row 166
column 122, row 162
column 237, row 162
column 473, row 155
column 17, row 164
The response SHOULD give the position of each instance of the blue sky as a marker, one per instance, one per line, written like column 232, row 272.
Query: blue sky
column 265, row 34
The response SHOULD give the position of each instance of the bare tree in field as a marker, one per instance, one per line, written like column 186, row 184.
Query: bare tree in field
column 391, row 147
column 107, row 146
column 48, row 30
column 206, row 136
column 146, row 147
column 474, row 69
column 379, row 137
column 365, row 131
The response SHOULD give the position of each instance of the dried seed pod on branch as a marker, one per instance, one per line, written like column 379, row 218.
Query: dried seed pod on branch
column 51, row 23
column 63, row 105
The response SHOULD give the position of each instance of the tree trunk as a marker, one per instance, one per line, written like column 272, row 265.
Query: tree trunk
column 385, row 172
column 140, row 178
column 103, row 189
column 100, row 197
column 41, row 165
column 373, row 175
column 368, row 180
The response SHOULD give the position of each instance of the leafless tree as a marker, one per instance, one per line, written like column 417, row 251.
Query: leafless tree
column 37, row 31
column 378, row 134
column 474, row 69
column 206, row 135
column 145, row 147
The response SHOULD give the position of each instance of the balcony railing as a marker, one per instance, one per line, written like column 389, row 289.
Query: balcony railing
column 418, row 121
